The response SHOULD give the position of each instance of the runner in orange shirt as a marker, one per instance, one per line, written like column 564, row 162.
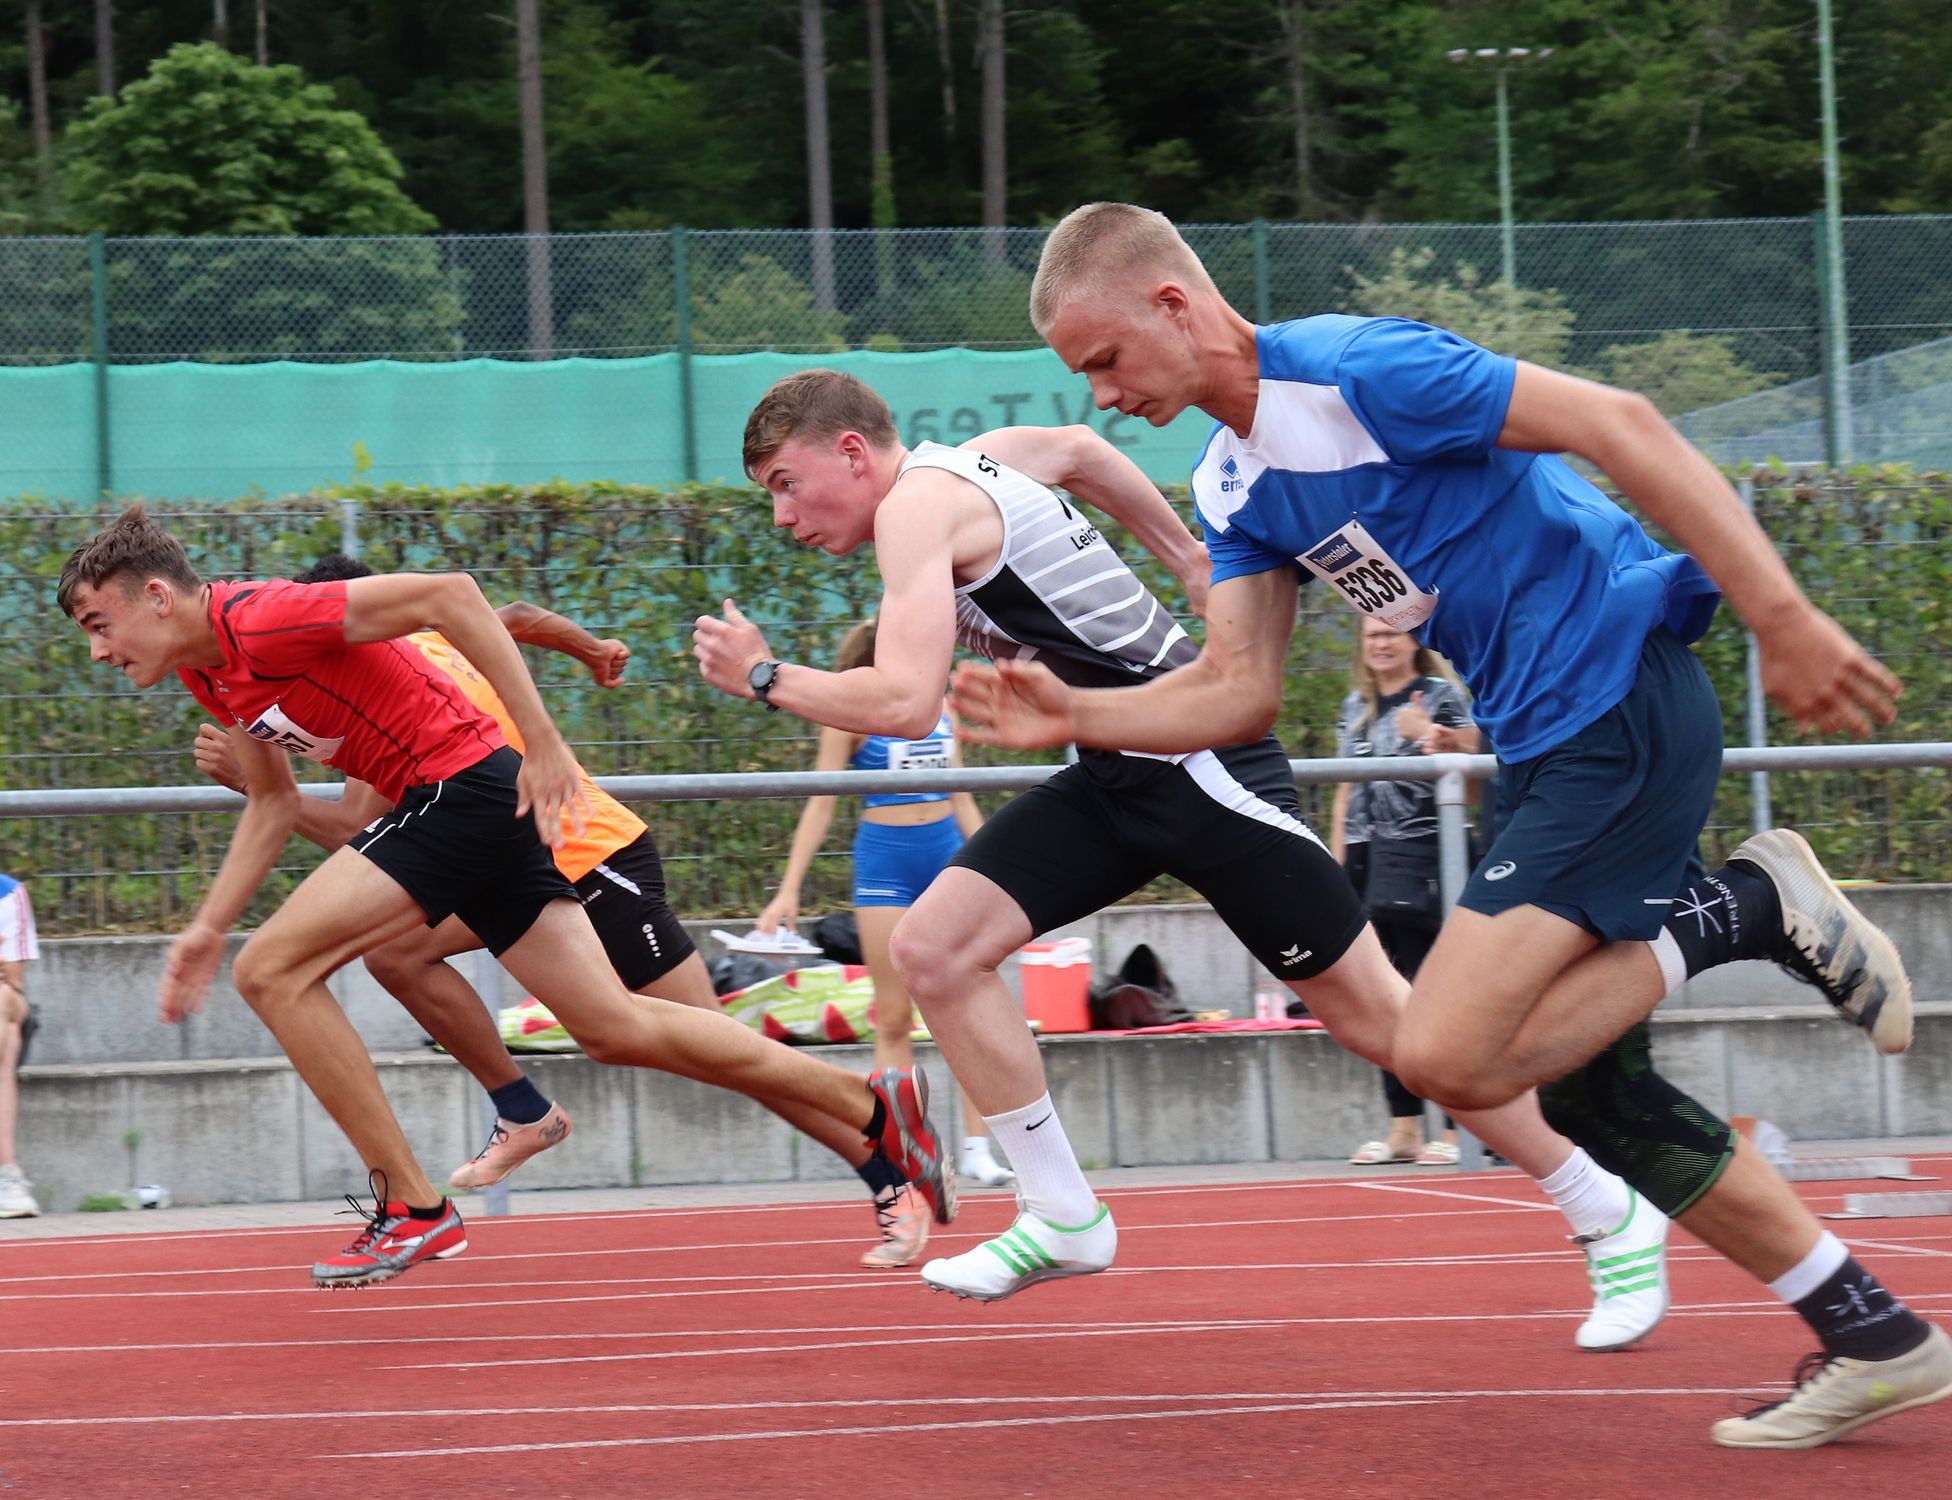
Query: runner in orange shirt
column 614, row 865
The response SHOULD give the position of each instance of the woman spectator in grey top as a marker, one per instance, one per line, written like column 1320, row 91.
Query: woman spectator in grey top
column 1404, row 700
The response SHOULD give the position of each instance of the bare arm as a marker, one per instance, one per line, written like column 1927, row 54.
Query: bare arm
column 836, row 748
column 901, row 693
column 1077, row 459
column 1227, row 695
column 532, row 625
column 324, row 822
column 1338, row 843
column 389, row 605
column 1817, row 673
column 269, row 816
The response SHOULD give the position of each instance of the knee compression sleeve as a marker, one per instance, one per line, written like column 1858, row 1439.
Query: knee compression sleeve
column 1635, row 1123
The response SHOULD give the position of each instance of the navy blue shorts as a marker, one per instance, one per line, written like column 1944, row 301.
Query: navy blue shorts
column 1601, row 829
column 894, row 862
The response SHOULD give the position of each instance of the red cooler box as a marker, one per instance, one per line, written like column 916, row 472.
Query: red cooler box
column 1056, row 983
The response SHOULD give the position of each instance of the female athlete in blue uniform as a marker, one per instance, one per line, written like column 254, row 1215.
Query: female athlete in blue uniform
column 904, row 841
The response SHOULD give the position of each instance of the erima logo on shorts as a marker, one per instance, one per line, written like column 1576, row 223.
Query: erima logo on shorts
column 1294, row 955
column 1500, row 870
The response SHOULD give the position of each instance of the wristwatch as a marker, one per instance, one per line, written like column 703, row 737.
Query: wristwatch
column 760, row 680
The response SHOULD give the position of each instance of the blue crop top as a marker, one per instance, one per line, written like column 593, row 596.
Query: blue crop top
column 880, row 752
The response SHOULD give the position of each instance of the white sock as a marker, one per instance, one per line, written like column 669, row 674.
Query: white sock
column 976, row 1150
column 1593, row 1200
column 1812, row 1270
column 1048, row 1175
column 1674, row 967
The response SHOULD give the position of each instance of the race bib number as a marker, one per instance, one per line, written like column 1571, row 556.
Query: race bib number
column 919, row 755
column 1349, row 559
column 274, row 728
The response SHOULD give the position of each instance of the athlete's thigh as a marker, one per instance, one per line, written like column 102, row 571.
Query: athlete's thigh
column 427, row 945
column 344, row 908
column 688, row 982
column 1483, row 976
column 967, row 915
column 562, row 963
column 1062, row 851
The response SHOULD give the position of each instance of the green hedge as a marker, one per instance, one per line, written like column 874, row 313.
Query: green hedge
column 642, row 564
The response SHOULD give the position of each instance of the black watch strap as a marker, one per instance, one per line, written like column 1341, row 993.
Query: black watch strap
column 760, row 679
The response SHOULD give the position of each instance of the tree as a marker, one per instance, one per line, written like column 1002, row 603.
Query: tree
column 105, row 48
column 820, row 179
column 1529, row 325
column 995, row 141
column 1681, row 371
column 535, row 176
column 209, row 144
column 37, row 86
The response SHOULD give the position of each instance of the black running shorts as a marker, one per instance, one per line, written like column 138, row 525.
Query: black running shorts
column 458, row 849
column 624, row 897
column 1225, row 822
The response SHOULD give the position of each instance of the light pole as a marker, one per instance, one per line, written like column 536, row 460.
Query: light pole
column 1837, row 319
column 1501, row 60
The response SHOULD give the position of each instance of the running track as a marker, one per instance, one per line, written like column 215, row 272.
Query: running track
column 1384, row 1337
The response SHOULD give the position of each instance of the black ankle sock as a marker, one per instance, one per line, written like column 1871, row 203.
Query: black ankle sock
column 427, row 1215
column 1729, row 915
column 877, row 1122
column 1854, row 1316
column 520, row 1102
column 880, row 1174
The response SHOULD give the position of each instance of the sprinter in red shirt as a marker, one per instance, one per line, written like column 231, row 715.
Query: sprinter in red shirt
column 321, row 670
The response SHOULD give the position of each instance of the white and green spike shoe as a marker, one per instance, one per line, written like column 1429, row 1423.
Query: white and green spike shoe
column 1628, row 1267
column 1029, row 1251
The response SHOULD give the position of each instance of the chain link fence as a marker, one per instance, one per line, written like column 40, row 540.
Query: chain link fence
column 112, row 350
column 1876, row 551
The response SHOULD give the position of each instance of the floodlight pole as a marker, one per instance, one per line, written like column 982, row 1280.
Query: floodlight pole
column 1506, row 238
column 1837, row 317
column 1501, row 61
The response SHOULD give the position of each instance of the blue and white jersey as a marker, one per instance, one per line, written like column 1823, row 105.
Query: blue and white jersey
column 882, row 752
column 1373, row 465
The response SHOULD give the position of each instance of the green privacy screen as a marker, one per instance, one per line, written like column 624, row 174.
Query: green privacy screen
column 181, row 431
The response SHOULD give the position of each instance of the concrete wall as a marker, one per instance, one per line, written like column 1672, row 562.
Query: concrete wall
column 247, row 1131
column 96, row 995
column 113, row 1097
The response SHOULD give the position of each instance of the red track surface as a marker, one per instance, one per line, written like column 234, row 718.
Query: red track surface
column 1391, row 1337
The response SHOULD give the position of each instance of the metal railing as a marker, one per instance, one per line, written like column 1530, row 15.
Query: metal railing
column 1452, row 774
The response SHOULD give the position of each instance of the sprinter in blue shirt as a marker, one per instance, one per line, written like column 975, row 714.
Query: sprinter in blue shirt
column 1416, row 475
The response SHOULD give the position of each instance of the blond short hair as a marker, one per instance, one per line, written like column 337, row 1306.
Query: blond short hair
column 1095, row 247
column 816, row 404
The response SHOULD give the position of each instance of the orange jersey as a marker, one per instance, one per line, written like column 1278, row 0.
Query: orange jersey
column 610, row 825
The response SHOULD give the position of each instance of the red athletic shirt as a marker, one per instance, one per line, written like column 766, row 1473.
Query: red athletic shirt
column 380, row 711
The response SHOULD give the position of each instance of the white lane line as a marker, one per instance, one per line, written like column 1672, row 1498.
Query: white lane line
column 671, row 1408
column 1898, row 1247
column 1733, row 1310
column 730, row 1210
column 892, row 1331
column 1418, row 1398
column 720, row 1247
column 1399, row 1187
